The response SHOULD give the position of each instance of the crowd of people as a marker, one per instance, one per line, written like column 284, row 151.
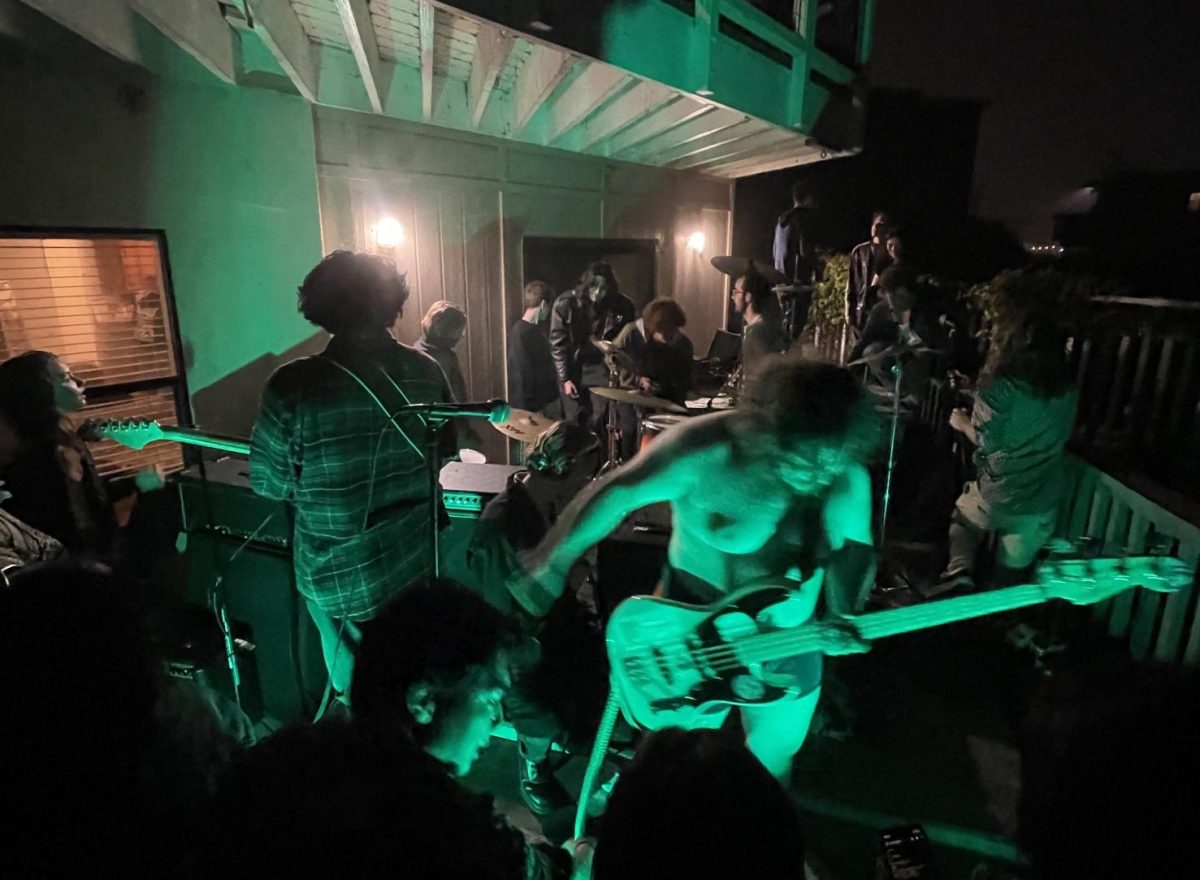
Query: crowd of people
column 114, row 765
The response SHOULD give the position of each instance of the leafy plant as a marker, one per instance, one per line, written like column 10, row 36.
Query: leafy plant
column 829, row 293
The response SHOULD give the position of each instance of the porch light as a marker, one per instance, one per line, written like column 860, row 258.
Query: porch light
column 389, row 233
column 695, row 241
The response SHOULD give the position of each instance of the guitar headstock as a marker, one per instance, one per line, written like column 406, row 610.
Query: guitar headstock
column 1086, row 581
column 134, row 433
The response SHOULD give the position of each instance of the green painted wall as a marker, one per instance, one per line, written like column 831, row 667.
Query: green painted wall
column 228, row 173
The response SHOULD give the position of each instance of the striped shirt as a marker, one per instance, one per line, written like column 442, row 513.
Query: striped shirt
column 358, row 487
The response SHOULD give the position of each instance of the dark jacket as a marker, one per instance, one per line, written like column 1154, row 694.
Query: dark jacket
column 866, row 261
column 531, row 384
column 575, row 320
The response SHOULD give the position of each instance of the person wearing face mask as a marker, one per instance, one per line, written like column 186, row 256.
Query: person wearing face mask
column 531, row 382
column 52, row 478
column 595, row 309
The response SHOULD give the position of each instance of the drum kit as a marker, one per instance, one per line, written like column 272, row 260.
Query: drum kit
column 794, row 297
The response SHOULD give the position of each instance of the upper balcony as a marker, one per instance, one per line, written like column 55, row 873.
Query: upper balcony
column 724, row 87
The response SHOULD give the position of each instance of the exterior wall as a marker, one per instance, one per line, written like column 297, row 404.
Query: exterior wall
column 228, row 173
column 467, row 201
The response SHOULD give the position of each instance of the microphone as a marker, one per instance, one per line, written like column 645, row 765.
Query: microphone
column 495, row 411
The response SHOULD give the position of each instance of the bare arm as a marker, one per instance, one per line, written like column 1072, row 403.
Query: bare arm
column 851, row 571
column 662, row 473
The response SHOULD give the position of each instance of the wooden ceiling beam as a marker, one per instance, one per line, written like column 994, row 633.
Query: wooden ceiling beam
column 425, row 29
column 276, row 22
column 360, row 34
column 492, row 49
column 108, row 24
column 538, row 77
column 673, row 114
column 628, row 109
column 596, row 85
column 703, row 126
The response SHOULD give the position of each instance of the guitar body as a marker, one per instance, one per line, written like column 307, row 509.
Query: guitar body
column 678, row 665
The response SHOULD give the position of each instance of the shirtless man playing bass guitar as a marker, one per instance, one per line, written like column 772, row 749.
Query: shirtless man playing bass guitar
column 771, row 494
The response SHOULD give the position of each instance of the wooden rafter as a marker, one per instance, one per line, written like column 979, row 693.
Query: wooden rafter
column 673, row 114
column 426, row 22
column 360, row 34
column 538, row 77
column 735, row 150
column 591, row 89
column 108, row 24
column 275, row 21
column 492, row 48
column 627, row 110
column 702, row 126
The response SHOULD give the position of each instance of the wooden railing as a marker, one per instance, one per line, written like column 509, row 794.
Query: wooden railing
column 1120, row 521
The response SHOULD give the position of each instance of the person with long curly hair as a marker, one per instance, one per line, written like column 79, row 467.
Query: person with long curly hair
column 1020, row 423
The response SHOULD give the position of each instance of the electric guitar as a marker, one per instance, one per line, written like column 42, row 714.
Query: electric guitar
column 136, row 433
column 677, row 665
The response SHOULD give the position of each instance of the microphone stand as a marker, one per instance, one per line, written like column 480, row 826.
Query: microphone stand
column 898, row 372
column 433, row 430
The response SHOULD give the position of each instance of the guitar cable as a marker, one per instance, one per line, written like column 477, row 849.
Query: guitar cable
column 608, row 723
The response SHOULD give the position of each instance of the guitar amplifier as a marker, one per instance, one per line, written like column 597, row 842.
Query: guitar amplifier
column 630, row 561
column 216, row 497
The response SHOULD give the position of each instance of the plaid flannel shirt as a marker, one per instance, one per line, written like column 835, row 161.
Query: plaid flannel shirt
column 355, row 544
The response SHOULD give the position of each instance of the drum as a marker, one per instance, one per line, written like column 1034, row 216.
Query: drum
column 652, row 426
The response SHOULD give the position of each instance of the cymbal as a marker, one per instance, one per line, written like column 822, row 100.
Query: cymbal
column 892, row 351
column 523, row 425
column 619, row 355
column 736, row 267
column 636, row 397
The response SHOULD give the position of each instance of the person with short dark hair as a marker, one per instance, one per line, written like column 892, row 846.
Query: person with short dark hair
column 594, row 309
column 355, row 478
column 531, row 378
column 774, row 491
column 867, row 263
column 338, row 799
column 793, row 245
column 432, row 672
column 762, row 330
column 898, row 319
column 714, row 810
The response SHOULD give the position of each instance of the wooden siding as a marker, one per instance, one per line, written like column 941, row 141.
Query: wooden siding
column 466, row 203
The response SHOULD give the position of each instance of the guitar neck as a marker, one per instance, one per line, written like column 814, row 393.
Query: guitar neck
column 192, row 437
column 881, row 624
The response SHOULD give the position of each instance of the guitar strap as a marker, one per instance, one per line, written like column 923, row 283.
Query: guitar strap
column 387, row 394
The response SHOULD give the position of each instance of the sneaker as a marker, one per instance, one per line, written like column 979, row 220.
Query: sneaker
column 540, row 789
column 961, row 581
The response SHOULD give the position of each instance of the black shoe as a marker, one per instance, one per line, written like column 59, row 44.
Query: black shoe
column 956, row 581
column 540, row 789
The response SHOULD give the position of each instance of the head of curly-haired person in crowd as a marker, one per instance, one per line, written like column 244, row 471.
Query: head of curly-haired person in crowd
column 433, row 668
column 715, row 810
column 353, row 294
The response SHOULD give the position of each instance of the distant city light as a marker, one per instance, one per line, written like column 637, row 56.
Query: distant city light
column 1052, row 249
column 389, row 233
column 696, row 241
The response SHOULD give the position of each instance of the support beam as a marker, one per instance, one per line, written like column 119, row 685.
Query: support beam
column 699, row 127
column 631, row 108
column 786, row 155
column 199, row 28
column 108, row 24
column 668, row 117
column 276, row 23
column 541, row 73
column 743, row 148
column 707, row 144
column 492, row 48
column 425, row 37
column 587, row 94
column 360, row 34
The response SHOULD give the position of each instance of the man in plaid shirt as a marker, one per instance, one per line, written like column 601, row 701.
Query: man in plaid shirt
column 323, row 442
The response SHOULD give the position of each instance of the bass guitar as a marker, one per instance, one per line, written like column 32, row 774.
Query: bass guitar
column 681, row 665
column 136, row 433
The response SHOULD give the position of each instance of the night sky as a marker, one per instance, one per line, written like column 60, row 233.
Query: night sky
column 1072, row 87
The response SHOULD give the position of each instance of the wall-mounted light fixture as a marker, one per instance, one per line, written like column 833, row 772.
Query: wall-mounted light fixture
column 695, row 241
column 389, row 233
